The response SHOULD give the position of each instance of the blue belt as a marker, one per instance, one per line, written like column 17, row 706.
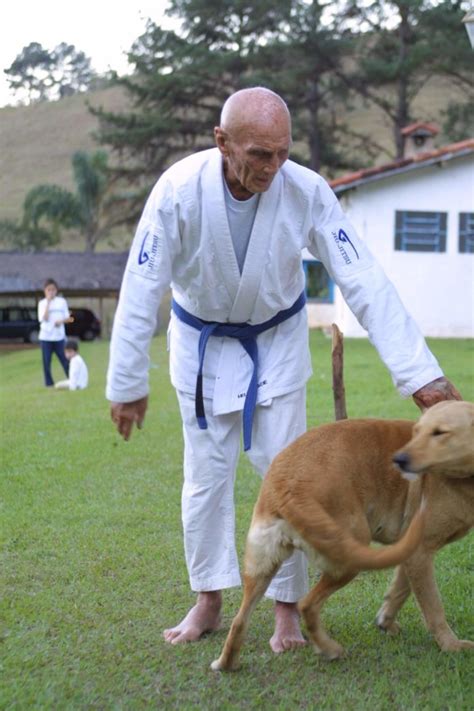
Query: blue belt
column 247, row 335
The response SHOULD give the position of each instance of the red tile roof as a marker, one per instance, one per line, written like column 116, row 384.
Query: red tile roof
column 420, row 125
column 418, row 161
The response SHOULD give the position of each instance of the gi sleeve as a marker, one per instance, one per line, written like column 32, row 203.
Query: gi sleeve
column 147, row 277
column 371, row 296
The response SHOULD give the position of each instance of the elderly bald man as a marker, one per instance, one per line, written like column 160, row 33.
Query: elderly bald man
column 225, row 228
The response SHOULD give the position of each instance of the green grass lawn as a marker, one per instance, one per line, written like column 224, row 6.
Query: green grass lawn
column 93, row 568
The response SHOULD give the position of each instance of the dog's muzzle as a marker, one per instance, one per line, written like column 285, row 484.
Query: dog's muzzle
column 402, row 460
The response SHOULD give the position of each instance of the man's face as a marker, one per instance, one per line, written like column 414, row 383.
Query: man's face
column 253, row 157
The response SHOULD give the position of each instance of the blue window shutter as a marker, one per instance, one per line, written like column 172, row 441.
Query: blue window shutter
column 420, row 231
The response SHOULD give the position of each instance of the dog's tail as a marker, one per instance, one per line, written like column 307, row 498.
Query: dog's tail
column 368, row 558
column 340, row 547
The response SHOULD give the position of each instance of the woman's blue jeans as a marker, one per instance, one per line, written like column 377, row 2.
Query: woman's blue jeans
column 47, row 350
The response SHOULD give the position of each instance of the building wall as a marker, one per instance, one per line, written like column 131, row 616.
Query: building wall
column 436, row 288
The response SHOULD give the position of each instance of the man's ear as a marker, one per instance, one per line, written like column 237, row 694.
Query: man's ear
column 220, row 137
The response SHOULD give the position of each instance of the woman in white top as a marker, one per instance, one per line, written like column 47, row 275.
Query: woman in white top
column 53, row 313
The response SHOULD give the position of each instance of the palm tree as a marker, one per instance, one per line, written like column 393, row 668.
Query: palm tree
column 92, row 209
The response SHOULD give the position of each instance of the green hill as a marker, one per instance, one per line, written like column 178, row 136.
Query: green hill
column 37, row 142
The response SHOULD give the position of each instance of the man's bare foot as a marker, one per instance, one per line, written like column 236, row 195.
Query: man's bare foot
column 287, row 633
column 203, row 617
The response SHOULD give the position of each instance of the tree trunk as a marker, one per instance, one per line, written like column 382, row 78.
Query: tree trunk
column 314, row 133
column 402, row 111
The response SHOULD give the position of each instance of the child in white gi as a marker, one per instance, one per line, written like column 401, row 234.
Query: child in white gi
column 78, row 373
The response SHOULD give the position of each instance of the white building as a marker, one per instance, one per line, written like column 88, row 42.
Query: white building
column 416, row 215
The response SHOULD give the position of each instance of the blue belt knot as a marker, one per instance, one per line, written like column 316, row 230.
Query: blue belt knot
column 246, row 334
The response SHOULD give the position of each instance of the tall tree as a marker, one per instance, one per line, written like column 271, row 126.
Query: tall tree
column 181, row 79
column 291, row 47
column 46, row 75
column 404, row 44
column 30, row 72
column 317, row 54
column 453, row 59
column 72, row 71
column 303, row 65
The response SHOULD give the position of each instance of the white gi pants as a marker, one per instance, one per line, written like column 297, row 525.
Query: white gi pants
column 208, row 512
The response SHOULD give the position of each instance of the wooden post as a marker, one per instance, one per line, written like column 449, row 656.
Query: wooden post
column 338, row 374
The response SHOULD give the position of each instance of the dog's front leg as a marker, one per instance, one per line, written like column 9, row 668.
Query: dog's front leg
column 420, row 571
column 393, row 601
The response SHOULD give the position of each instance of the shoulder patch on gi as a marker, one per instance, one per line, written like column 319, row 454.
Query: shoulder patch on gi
column 145, row 253
column 345, row 245
column 345, row 251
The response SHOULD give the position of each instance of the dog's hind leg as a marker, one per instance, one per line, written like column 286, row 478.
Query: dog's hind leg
column 310, row 607
column 254, row 588
column 263, row 556
column 393, row 601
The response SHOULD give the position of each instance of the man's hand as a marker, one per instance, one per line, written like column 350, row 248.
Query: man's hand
column 436, row 391
column 125, row 414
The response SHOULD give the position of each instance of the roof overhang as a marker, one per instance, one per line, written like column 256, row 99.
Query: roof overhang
column 391, row 172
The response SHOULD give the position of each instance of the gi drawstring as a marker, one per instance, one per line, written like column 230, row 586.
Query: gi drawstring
column 247, row 335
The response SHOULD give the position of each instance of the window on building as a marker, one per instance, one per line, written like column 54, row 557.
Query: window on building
column 466, row 232
column 420, row 231
column 319, row 285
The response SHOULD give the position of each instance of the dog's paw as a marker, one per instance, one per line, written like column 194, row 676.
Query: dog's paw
column 332, row 650
column 219, row 665
column 337, row 653
column 387, row 624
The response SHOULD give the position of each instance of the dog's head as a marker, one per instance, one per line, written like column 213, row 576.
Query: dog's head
column 442, row 442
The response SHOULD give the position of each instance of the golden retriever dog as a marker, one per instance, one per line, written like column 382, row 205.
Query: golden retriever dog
column 441, row 449
column 336, row 488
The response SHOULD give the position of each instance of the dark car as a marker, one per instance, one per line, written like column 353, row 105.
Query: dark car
column 85, row 326
column 22, row 322
column 19, row 322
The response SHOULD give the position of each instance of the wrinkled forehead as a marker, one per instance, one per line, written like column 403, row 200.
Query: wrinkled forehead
column 262, row 130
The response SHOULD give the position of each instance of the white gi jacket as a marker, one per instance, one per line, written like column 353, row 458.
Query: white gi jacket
column 183, row 240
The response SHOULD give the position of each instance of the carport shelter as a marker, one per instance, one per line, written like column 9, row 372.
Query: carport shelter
column 85, row 279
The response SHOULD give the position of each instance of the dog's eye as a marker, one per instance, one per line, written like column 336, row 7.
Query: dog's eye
column 437, row 432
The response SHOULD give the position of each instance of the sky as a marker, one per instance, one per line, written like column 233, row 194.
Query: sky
column 103, row 29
